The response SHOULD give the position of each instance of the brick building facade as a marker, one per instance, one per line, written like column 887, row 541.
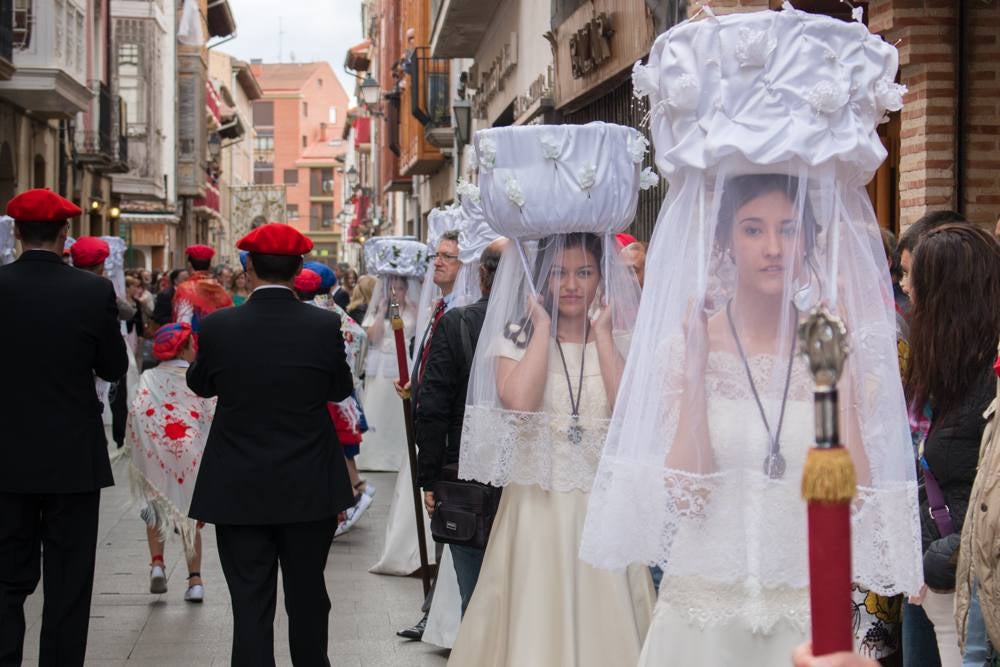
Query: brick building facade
column 298, row 123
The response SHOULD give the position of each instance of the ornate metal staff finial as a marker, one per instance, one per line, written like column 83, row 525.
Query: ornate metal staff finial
column 823, row 341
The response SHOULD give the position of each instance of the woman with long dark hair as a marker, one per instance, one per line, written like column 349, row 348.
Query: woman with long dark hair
column 954, row 327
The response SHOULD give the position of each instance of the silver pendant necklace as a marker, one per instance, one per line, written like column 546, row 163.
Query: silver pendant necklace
column 575, row 431
column 774, row 462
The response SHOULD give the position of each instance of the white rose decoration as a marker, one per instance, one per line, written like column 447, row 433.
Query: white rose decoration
column 638, row 146
column 754, row 47
column 889, row 94
column 648, row 179
column 588, row 175
column 643, row 80
column 550, row 147
column 827, row 97
column 487, row 153
column 467, row 190
column 683, row 93
column 513, row 190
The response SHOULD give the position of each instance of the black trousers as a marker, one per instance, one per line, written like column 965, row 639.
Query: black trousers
column 250, row 557
column 55, row 534
column 118, row 398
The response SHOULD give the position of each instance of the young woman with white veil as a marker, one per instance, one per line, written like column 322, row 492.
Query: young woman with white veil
column 765, row 127
column 400, row 554
column 545, row 378
column 399, row 264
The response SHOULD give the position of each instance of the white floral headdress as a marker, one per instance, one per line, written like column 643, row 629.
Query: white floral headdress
column 551, row 179
column 395, row 255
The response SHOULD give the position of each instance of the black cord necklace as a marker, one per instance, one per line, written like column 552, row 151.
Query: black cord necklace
column 575, row 432
column 774, row 462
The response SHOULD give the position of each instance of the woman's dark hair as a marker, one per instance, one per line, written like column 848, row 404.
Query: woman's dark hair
column 173, row 276
column 740, row 190
column 928, row 222
column 488, row 263
column 955, row 322
column 36, row 233
column 590, row 243
column 275, row 268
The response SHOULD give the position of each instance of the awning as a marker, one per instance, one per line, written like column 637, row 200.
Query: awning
column 149, row 218
column 220, row 19
column 362, row 130
column 357, row 57
column 209, row 204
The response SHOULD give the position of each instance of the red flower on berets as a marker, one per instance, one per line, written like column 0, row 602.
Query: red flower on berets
column 199, row 252
column 89, row 251
column 275, row 238
column 308, row 281
column 41, row 205
column 168, row 341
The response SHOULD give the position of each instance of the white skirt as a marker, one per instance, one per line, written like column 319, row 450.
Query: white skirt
column 400, row 553
column 383, row 448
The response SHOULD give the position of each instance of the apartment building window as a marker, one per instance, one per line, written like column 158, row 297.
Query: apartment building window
column 305, row 141
column 333, row 115
column 264, row 141
column 291, row 177
column 263, row 174
column 305, row 109
column 131, row 86
column 24, row 21
column 320, row 216
column 319, row 83
column 293, row 211
column 321, row 182
column 263, row 114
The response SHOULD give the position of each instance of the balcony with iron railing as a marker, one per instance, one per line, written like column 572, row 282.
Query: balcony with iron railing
column 6, row 39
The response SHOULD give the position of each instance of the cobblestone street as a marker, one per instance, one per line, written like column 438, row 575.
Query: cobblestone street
column 130, row 626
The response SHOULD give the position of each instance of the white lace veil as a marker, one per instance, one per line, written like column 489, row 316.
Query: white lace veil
column 765, row 127
column 474, row 234
column 399, row 264
column 539, row 399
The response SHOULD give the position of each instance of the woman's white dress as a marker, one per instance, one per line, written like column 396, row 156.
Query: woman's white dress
column 706, row 622
column 384, row 446
column 400, row 553
column 536, row 602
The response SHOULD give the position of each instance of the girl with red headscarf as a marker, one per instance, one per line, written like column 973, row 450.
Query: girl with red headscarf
column 168, row 426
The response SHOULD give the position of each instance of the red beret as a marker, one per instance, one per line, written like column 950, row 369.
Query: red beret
column 41, row 205
column 89, row 251
column 275, row 238
column 169, row 340
column 625, row 239
column 199, row 252
column 308, row 281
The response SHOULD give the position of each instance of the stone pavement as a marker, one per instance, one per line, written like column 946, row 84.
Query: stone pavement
column 130, row 626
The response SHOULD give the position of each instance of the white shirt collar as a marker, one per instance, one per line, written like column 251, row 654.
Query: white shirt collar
column 260, row 287
column 178, row 363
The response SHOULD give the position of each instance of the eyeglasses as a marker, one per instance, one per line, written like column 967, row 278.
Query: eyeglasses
column 444, row 257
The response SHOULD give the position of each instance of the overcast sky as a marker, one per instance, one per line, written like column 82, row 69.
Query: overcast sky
column 312, row 30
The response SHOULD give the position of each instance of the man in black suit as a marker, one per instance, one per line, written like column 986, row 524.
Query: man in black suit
column 273, row 477
column 63, row 330
column 441, row 411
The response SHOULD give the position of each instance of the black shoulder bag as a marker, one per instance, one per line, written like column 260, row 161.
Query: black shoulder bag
column 463, row 509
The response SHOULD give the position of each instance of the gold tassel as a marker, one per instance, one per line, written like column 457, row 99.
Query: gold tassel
column 829, row 476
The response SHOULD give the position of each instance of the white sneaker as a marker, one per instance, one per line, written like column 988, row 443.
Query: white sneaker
column 363, row 504
column 157, row 580
column 195, row 593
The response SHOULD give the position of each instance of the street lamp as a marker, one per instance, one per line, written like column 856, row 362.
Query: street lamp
column 462, row 111
column 370, row 92
column 352, row 177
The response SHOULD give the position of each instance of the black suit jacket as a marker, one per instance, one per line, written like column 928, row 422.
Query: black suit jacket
column 272, row 455
column 441, row 408
column 61, row 327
